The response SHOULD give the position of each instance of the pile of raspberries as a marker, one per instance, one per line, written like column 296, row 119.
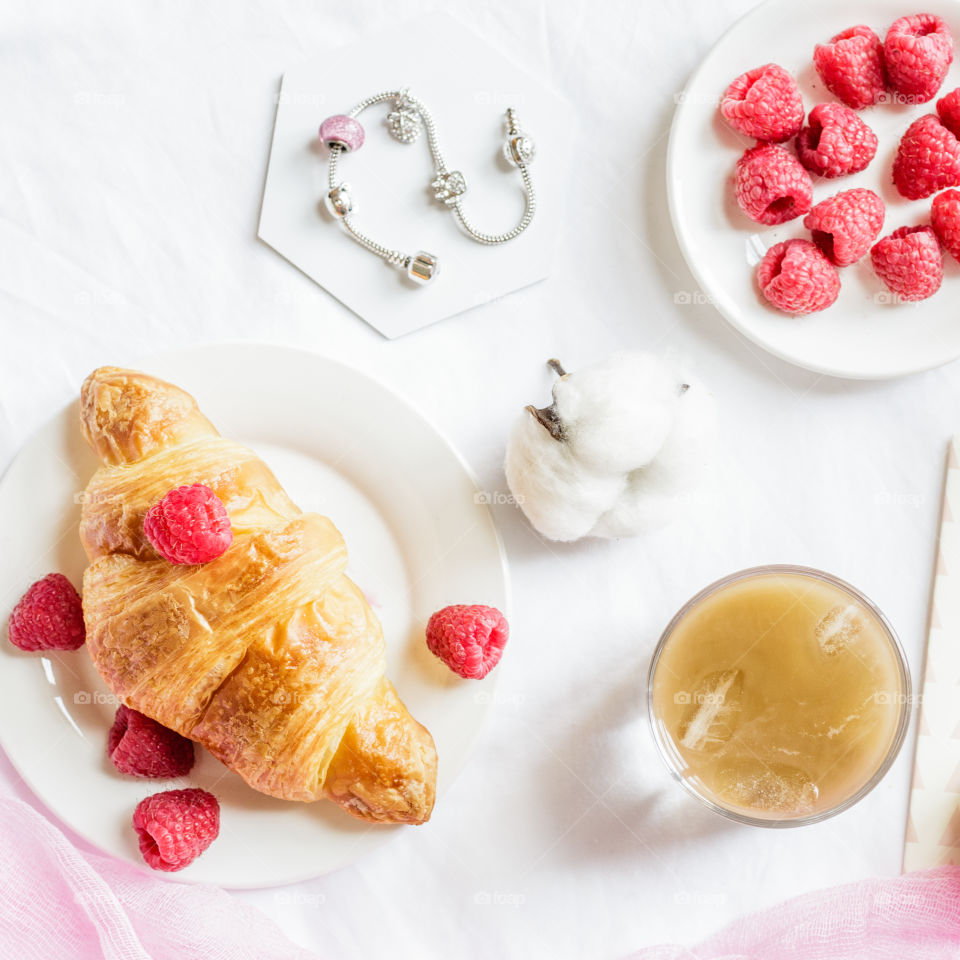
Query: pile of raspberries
column 774, row 185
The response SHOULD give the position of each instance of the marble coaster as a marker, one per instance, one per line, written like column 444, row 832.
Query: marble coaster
column 468, row 86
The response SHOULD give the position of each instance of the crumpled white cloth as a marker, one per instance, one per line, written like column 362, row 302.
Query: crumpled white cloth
column 133, row 144
column 61, row 903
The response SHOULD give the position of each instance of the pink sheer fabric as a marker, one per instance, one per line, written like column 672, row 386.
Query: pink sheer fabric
column 914, row 917
column 57, row 902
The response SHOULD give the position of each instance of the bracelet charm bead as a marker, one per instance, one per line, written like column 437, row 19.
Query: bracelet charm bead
column 342, row 131
column 339, row 201
column 423, row 267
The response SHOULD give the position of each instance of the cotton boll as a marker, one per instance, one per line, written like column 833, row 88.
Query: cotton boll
column 560, row 499
column 655, row 493
column 616, row 452
column 617, row 413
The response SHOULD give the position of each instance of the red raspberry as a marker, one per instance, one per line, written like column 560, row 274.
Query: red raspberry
column 49, row 616
column 928, row 159
column 845, row 226
column 945, row 219
column 189, row 525
column 918, row 52
column 851, row 66
column 176, row 826
column 835, row 141
column 468, row 639
column 909, row 262
column 764, row 103
column 949, row 110
column 771, row 185
column 142, row 747
column 797, row 278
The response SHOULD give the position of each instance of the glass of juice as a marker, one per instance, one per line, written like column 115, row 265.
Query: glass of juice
column 779, row 696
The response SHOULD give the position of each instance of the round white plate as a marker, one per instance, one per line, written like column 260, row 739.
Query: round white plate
column 418, row 538
column 864, row 335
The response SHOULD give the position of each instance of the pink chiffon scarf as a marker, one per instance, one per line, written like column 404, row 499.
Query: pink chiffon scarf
column 913, row 917
column 60, row 904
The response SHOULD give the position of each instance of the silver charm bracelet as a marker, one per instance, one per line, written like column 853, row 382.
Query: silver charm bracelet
column 343, row 133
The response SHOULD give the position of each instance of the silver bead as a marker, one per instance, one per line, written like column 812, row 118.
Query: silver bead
column 404, row 124
column 519, row 149
column 339, row 201
column 423, row 267
column 449, row 187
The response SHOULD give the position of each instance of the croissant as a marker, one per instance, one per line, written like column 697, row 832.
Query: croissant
column 269, row 656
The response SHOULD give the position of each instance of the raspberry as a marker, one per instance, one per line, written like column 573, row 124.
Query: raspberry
column 918, row 52
column 844, row 226
column 142, row 747
column 49, row 616
column 835, row 141
column 851, row 66
column 468, row 639
column 771, row 185
column 797, row 278
column 928, row 159
column 764, row 103
column 909, row 262
column 948, row 109
column 176, row 826
column 945, row 219
column 189, row 525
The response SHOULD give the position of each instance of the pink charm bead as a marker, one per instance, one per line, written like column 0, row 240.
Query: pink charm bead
column 343, row 131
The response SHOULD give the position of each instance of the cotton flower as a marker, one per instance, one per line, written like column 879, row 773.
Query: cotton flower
column 616, row 452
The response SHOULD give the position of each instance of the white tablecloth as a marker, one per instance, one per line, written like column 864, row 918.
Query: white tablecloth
column 133, row 144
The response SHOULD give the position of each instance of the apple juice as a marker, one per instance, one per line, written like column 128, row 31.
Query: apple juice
column 779, row 694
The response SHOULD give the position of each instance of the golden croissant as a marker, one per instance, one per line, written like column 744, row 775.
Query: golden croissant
column 269, row 656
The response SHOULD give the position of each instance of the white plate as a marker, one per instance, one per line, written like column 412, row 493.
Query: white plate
column 863, row 335
column 418, row 540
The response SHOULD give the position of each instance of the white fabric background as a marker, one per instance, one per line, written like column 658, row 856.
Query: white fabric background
column 133, row 141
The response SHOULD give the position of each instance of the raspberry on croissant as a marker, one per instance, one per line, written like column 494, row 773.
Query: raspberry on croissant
column 269, row 656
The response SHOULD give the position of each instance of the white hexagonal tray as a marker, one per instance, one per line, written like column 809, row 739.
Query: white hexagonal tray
column 468, row 86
